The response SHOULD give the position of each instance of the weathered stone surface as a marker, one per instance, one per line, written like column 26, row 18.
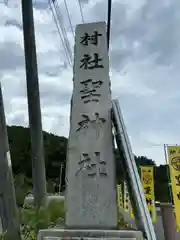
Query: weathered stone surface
column 91, row 192
column 56, row 234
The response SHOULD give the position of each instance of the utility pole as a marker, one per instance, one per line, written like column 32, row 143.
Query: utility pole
column 37, row 148
column 109, row 22
column 9, row 212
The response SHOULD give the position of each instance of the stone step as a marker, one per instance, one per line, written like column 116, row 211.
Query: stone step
column 65, row 234
column 58, row 238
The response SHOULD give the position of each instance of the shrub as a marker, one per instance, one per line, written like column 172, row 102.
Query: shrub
column 33, row 219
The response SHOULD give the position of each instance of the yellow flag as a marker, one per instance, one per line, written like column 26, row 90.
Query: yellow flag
column 127, row 201
column 147, row 179
column 126, row 198
column 119, row 196
column 174, row 165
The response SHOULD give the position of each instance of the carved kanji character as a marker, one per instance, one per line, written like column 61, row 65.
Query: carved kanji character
column 90, row 63
column 89, row 90
column 93, row 39
column 92, row 168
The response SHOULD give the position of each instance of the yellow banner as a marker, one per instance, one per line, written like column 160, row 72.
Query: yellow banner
column 131, row 212
column 126, row 198
column 127, row 201
column 119, row 196
column 147, row 179
column 174, row 165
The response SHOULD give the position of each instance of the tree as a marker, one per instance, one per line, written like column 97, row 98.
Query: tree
column 162, row 191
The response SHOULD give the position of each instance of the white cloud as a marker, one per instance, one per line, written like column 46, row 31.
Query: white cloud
column 144, row 60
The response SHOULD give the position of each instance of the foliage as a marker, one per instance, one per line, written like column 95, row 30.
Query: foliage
column 23, row 186
column 20, row 147
column 2, row 236
column 33, row 219
column 122, row 224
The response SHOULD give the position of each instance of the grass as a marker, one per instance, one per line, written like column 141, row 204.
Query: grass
column 33, row 219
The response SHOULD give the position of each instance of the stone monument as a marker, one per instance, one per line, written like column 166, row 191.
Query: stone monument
column 91, row 192
column 91, row 208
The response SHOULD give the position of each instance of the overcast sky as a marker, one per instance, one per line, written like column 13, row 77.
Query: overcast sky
column 144, row 60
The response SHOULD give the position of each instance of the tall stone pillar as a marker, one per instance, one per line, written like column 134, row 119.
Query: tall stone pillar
column 91, row 192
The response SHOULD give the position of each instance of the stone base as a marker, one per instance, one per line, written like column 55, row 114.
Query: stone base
column 65, row 234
